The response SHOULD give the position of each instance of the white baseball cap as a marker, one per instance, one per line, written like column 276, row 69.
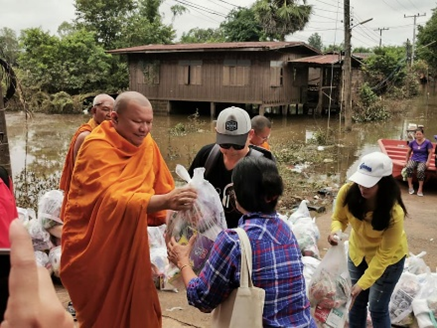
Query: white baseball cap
column 233, row 126
column 371, row 169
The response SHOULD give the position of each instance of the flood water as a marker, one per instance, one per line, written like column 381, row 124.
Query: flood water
column 49, row 136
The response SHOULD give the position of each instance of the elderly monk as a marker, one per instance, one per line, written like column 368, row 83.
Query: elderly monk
column 120, row 185
column 101, row 110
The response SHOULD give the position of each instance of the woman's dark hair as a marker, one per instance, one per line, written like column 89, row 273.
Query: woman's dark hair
column 388, row 194
column 257, row 184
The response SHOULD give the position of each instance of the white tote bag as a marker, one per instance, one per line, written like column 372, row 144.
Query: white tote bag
column 244, row 306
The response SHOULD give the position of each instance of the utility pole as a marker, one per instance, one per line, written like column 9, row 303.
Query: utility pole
column 380, row 34
column 414, row 33
column 347, row 70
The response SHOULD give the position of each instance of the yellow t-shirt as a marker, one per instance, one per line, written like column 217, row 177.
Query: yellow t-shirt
column 380, row 249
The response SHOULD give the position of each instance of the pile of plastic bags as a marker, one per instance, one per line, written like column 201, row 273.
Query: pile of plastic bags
column 45, row 229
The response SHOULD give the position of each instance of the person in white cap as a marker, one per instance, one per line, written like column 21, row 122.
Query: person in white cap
column 373, row 206
column 234, row 130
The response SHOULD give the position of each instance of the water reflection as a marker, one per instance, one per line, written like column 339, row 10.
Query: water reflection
column 49, row 136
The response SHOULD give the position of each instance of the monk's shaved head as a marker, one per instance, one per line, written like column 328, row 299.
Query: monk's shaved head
column 99, row 99
column 124, row 99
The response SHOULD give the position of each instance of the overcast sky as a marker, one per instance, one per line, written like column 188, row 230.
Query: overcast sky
column 326, row 19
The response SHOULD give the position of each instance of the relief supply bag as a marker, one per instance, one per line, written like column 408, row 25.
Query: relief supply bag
column 206, row 218
column 330, row 287
column 244, row 306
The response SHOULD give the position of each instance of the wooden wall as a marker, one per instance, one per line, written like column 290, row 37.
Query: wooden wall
column 164, row 77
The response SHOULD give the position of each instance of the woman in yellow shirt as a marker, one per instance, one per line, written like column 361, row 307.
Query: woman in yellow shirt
column 373, row 206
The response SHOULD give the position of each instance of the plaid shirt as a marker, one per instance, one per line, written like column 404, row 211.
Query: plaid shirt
column 277, row 268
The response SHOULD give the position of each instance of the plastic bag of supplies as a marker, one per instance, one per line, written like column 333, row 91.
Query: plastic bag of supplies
column 330, row 287
column 205, row 219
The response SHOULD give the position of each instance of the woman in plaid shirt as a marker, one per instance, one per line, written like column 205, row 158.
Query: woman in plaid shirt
column 277, row 264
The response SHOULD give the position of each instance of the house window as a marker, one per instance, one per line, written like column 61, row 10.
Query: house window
column 149, row 72
column 190, row 72
column 276, row 73
column 236, row 72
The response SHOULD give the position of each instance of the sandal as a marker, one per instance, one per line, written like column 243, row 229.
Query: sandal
column 411, row 191
column 420, row 194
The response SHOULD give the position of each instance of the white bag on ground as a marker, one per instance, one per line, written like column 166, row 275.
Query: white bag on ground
column 400, row 306
column 425, row 303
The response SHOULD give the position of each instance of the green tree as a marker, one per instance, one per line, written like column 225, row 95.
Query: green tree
column 315, row 41
column 9, row 46
column 241, row 25
column 362, row 50
column 386, row 68
column 66, row 28
column 200, row 35
column 426, row 45
column 279, row 18
column 334, row 48
column 74, row 63
column 107, row 18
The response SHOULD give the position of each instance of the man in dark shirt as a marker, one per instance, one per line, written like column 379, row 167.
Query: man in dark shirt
column 233, row 132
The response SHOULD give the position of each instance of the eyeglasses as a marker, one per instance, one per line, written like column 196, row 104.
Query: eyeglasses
column 236, row 147
column 263, row 138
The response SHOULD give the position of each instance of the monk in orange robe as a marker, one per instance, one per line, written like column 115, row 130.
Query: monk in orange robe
column 261, row 127
column 120, row 185
column 101, row 111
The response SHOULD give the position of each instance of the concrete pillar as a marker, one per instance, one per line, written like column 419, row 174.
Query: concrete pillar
column 261, row 110
column 284, row 110
column 168, row 107
column 212, row 110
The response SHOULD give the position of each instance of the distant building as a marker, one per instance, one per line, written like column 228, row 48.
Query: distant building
column 258, row 76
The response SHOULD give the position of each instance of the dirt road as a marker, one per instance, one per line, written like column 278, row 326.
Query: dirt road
column 420, row 226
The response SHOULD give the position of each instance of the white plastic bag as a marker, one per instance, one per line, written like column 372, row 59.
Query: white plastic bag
column 400, row 306
column 40, row 237
column 55, row 260
column 49, row 208
column 206, row 218
column 330, row 287
column 415, row 263
column 301, row 212
column 425, row 303
column 307, row 234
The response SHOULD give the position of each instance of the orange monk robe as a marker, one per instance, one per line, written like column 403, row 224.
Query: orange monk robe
column 69, row 159
column 105, row 263
column 265, row 145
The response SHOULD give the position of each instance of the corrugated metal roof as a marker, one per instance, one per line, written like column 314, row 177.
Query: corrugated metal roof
column 224, row 46
column 320, row 59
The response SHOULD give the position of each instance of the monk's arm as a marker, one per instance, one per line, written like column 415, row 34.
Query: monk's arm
column 79, row 141
column 177, row 200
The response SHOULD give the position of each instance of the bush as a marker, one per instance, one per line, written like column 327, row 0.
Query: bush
column 370, row 107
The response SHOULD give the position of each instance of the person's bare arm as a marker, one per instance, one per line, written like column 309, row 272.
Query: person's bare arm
column 79, row 141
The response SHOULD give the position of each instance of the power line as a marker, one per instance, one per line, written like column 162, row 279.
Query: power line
column 401, row 5
column 201, row 17
column 413, row 5
column 199, row 7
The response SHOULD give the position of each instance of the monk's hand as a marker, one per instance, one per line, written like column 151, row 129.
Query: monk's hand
column 182, row 198
column 180, row 254
column 32, row 298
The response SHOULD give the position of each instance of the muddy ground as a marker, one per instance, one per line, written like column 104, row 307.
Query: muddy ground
column 420, row 226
